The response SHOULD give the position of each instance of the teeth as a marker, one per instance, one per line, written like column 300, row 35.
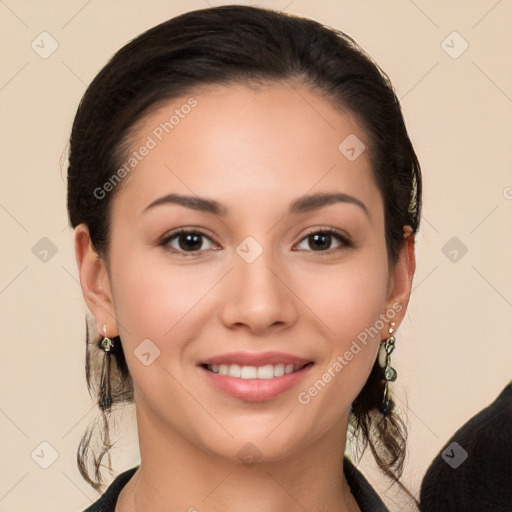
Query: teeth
column 233, row 370
column 268, row 371
column 279, row 370
column 265, row 372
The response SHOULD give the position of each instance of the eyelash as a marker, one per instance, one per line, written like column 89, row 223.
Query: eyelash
column 328, row 231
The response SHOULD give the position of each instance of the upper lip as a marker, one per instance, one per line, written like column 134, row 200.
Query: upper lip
column 256, row 359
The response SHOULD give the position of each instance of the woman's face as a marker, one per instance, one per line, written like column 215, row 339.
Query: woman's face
column 257, row 283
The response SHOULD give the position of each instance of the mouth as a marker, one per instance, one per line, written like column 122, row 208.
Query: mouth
column 265, row 372
column 255, row 377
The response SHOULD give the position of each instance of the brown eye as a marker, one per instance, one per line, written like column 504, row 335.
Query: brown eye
column 321, row 241
column 186, row 241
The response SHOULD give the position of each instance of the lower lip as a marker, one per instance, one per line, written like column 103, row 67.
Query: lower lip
column 255, row 390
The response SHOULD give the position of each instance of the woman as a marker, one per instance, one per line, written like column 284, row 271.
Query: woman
column 245, row 199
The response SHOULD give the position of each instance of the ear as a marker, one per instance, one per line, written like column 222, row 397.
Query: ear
column 400, row 282
column 95, row 282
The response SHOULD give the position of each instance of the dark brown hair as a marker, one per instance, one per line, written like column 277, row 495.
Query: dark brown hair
column 235, row 44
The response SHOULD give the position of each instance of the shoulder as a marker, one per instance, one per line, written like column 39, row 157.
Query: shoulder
column 366, row 497
column 473, row 470
column 107, row 501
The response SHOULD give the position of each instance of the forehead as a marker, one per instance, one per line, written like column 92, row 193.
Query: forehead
column 258, row 146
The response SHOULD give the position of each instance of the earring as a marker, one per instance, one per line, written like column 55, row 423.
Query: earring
column 105, row 400
column 390, row 373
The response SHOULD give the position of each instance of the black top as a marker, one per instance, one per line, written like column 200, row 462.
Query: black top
column 365, row 496
column 473, row 470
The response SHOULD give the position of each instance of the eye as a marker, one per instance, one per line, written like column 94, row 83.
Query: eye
column 192, row 241
column 322, row 239
column 187, row 241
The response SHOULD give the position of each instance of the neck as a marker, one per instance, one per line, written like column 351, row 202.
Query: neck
column 175, row 474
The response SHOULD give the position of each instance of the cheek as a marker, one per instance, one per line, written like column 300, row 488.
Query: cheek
column 349, row 303
column 157, row 303
column 151, row 300
column 160, row 301
column 348, row 299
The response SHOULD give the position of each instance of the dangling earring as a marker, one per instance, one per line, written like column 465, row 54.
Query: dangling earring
column 105, row 401
column 390, row 373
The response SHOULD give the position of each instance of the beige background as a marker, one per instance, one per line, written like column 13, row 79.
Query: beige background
column 454, row 350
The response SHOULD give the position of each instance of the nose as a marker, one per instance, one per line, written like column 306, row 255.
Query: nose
column 258, row 297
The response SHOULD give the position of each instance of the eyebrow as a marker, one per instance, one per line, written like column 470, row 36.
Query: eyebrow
column 301, row 205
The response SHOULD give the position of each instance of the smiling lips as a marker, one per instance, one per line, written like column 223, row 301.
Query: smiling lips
column 255, row 377
column 246, row 365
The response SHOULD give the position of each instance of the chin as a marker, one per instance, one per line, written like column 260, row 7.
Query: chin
column 255, row 446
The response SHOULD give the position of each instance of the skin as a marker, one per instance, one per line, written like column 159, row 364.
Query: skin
column 254, row 151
